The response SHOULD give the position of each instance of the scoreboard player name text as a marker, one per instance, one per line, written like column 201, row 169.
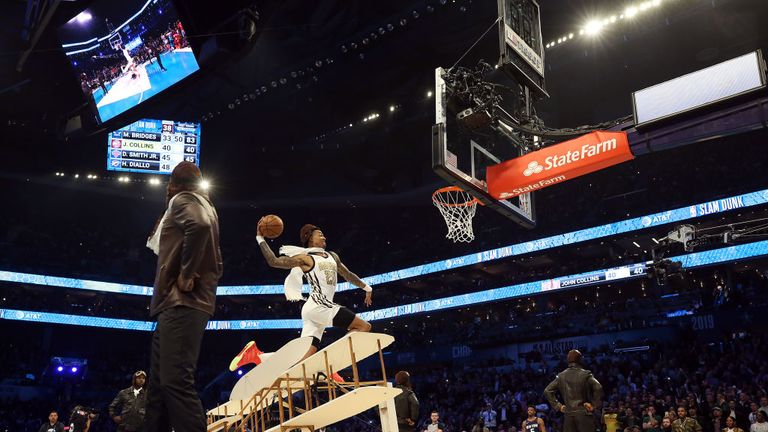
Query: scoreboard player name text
column 127, row 154
column 147, row 136
column 130, row 164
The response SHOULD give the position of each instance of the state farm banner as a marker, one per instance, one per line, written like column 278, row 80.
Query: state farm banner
column 558, row 163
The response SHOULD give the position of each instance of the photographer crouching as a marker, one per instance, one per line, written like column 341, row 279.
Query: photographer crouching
column 130, row 405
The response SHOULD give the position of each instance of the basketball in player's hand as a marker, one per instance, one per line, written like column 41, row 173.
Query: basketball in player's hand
column 270, row 226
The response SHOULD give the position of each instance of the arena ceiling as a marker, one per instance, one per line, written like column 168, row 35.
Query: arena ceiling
column 266, row 147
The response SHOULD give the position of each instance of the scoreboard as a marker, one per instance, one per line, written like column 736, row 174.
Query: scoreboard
column 153, row 146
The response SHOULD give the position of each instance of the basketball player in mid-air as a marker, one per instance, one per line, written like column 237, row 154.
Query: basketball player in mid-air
column 319, row 268
column 533, row 423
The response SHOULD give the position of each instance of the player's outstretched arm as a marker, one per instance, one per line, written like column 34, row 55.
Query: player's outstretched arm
column 282, row 262
column 352, row 278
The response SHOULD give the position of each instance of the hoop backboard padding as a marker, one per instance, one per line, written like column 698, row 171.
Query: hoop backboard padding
column 458, row 208
column 461, row 155
column 558, row 163
column 520, row 42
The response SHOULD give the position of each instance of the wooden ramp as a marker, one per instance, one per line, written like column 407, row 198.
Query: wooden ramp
column 343, row 407
column 224, row 423
column 339, row 356
column 263, row 375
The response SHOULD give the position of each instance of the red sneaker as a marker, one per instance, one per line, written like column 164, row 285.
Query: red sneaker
column 249, row 354
column 336, row 377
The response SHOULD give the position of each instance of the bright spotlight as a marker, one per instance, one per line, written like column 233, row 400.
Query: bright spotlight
column 429, row 94
column 655, row 2
column 154, row 181
column 630, row 12
column 391, row 108
column 570, row 36
column 77, row 175
column 239, row 372
column 74, row 369
column 60, row 369
column 83, row 16
column 593, row 27
column 205, row 184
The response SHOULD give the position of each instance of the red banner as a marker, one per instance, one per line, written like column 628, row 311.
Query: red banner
column 558, row 163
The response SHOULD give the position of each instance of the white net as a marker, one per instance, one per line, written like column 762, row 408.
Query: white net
column 458, row 208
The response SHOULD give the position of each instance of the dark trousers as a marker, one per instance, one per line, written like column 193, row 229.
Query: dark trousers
column 160, row 62
column 172, row 401
column 579, row 423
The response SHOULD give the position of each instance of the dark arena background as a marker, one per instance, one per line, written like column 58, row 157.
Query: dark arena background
column 514, row 179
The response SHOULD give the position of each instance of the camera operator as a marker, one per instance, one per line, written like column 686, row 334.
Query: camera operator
column 130, row 405
column 80, row 419
column 53, row 424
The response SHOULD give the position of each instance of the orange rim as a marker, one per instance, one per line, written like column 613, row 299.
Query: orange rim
column 453, row 189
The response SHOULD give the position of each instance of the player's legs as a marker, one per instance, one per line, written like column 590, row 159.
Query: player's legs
column 312, row 329
column 347, row 319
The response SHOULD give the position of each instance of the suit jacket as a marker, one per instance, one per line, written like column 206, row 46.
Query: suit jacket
column 406, row 407
column 577, row 386
column 189, row 246
column 131, row 408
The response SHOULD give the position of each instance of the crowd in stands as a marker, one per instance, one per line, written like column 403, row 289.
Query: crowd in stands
column 686, row 371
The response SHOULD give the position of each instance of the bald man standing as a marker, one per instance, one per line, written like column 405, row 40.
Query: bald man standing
column 581, row 394
column 189, row 265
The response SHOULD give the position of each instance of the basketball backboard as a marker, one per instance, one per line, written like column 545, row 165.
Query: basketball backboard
column 462, row 149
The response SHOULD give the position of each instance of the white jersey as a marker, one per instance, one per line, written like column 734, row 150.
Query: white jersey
column 322, row 279
column 127, row 55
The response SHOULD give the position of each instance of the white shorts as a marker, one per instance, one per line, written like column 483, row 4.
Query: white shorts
column 315, row 318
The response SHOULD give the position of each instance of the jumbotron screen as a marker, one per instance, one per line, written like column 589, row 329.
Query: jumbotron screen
column 153, row 146
column 125, row 52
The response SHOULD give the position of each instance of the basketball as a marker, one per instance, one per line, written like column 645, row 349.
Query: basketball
column 271, row 226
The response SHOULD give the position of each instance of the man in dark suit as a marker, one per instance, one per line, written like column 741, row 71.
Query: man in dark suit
column 189, row 266
column 581, row 394
column 406, row 403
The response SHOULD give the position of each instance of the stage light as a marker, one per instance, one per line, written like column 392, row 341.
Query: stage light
column 570, row 36
column 656, row 3
column 77, row 175
column 350, row 125
column 635, row 243
column 205, row 184
column 391, row 108
column 83, row 17
column 239, row 372
column 60, row 369
column 154, row 181
column 630, row 12
column 429, row 94
column 74, row 369
column 593, row 27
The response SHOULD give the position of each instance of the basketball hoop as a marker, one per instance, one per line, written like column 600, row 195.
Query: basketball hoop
column 458, row 208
